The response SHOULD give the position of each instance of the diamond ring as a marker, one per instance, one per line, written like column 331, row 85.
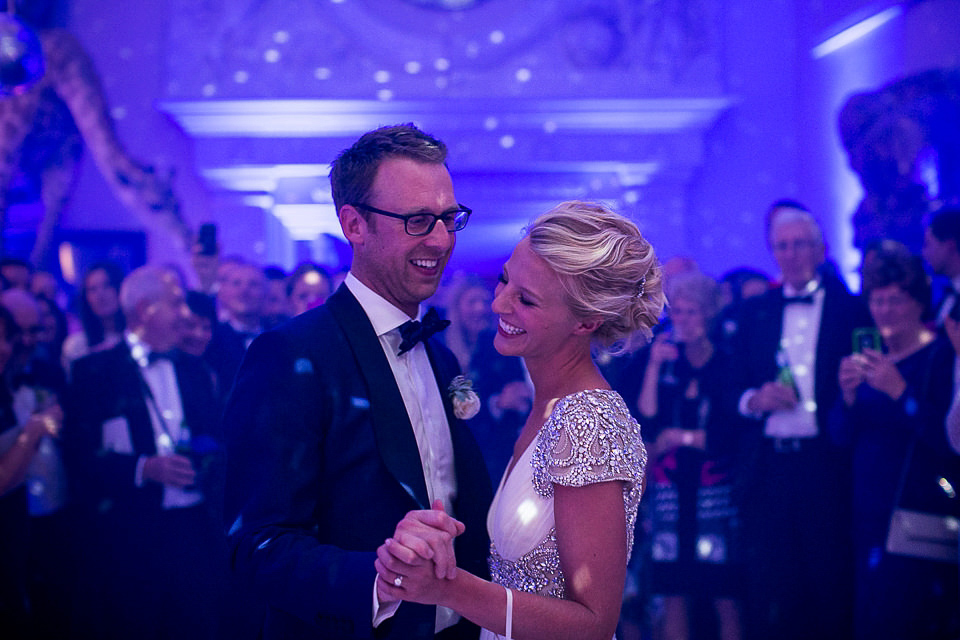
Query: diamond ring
column 398, row 581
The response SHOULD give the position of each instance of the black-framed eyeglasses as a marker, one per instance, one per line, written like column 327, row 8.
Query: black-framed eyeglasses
column 421, row 224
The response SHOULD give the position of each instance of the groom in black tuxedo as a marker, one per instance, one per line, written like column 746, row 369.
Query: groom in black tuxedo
column 336, row 430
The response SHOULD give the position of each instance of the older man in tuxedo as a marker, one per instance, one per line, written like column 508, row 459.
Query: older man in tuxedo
column 137, row 416
column 341, row 420
column 796, row 482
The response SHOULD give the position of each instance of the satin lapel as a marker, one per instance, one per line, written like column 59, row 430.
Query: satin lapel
column 444, row 375
column 770, row 327
column 473, row 487
column 138, row 415
column 391, row 424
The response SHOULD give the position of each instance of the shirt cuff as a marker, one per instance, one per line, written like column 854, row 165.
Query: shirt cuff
column 381, row 613
column 743, row 406
column 138, row 475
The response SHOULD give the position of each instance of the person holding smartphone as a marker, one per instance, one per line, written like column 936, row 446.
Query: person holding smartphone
column 892, row 413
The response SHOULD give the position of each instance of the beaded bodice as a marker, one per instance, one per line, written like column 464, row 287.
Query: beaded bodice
column 589, row 437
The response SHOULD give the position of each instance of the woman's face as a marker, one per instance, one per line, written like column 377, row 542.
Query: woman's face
column 474, row 308
column 689, row 322
column 309, row 291
column 101, row 296
column 534, row 320
column 197, row 332
column 894, row 311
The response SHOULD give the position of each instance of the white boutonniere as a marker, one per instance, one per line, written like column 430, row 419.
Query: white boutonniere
column 466, row 403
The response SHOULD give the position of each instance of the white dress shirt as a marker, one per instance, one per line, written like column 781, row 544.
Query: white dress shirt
column 798, row 340
column 799, row 335
column 424, row 405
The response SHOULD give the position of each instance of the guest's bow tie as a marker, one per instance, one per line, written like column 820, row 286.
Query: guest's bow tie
column 804, row 299
column 414, row 331
column 155, row 356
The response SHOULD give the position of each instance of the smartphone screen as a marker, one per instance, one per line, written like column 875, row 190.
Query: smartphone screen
column 866, row 338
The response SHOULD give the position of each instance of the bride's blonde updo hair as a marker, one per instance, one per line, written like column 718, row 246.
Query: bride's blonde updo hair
column 607, row 269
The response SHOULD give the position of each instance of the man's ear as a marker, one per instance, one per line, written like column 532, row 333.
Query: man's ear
column 353, row 224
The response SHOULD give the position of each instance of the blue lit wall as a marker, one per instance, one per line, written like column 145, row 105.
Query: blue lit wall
column 736, row 112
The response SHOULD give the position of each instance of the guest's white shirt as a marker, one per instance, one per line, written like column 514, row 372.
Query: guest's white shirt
column 424, row 405
column 799, row 336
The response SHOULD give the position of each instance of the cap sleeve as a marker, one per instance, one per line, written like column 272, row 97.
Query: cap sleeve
column 590, row 437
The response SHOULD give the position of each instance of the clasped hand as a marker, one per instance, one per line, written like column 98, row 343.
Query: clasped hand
column 874, row 368
column 420, row 553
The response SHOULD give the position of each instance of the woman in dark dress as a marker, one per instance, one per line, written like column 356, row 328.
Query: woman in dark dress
column 19, row 444
column 691, row 512
column 892, row 414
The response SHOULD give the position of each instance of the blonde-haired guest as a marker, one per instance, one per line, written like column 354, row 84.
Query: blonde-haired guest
column 562, row 522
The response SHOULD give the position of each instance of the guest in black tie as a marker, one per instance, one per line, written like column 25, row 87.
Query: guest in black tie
column 242, row 292
column 892, row 414
column 336, row 430
column 140, row 422
column 795, row 501
column 941, row 250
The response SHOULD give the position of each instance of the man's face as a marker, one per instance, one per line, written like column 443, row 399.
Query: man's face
column 404, row 269
column 163, row 319
column 275, row 301
column 27, row 317
column 937, row 252
column 243, row 291
column 797, row 251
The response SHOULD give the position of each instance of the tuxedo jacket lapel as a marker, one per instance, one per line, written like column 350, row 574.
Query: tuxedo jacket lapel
column 391, row 425
column 132, row 393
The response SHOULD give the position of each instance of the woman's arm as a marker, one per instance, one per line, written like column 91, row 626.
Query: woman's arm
column 662, row 350
column 15, row 461
column 591, row 540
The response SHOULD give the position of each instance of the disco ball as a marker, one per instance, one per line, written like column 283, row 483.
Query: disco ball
column 21, row 57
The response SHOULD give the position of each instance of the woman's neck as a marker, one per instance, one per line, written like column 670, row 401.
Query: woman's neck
column 560, row 376
column 698, row 351
column 903, row 343
column 109, row 325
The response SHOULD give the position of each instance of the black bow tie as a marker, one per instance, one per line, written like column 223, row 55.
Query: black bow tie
column 155, row 356
column 805, row 299
column 413, row 331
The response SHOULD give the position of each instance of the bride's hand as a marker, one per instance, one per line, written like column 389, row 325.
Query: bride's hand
column 405, row 575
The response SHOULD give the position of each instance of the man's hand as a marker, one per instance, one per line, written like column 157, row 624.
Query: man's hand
column 430, row 534
column 423, row 544
column 773, row 396
column 172, row 470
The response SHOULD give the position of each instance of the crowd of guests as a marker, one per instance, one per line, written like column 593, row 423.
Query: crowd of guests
column 792, row 428
column 111, row 456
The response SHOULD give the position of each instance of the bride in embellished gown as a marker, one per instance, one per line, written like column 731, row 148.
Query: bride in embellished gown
column 561, row 524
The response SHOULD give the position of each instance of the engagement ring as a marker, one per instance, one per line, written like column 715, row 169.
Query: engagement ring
column 398, row 581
